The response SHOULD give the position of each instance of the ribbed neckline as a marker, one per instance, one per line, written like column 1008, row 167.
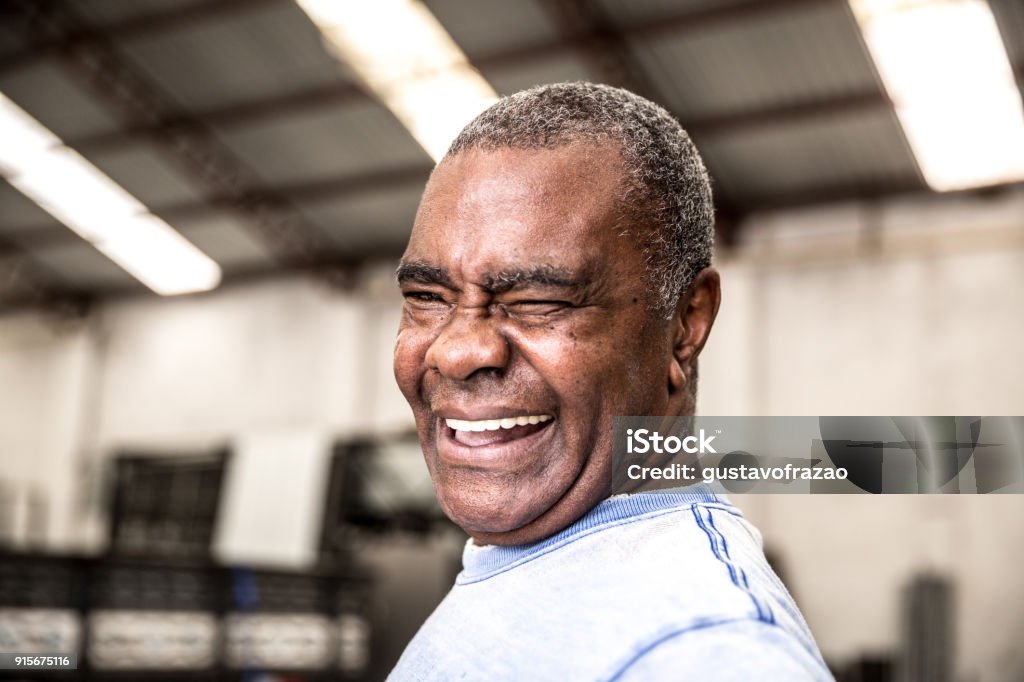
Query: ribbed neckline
column 480, row 563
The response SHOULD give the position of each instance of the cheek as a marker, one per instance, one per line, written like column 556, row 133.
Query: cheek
column 579, row 372
column 410, row 350
column 611, row 371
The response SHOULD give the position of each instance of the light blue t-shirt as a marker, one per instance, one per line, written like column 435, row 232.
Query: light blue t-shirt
column 648, row 587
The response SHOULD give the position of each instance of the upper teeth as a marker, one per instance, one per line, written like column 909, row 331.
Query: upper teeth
column 495, row 424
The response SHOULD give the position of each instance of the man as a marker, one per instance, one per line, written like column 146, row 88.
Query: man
column 558, row 275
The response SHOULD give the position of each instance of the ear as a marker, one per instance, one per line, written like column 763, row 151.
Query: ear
column 691, row 324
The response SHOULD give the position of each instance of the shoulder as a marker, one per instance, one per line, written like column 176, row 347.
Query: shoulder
column 706, row 559
column 744, row 649
column 711, row 596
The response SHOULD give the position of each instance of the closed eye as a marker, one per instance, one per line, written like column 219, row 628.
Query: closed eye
column 536, row 307
column 424, row 300
column 422, row 296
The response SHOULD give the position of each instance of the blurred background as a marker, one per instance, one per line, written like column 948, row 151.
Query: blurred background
column 206, row 471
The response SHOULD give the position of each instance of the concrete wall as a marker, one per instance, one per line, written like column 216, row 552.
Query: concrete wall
column 904, row 308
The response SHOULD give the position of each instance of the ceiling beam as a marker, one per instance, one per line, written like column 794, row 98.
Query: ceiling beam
column 187, row 142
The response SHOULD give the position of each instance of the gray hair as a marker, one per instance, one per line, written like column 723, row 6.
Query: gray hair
column 666, row 189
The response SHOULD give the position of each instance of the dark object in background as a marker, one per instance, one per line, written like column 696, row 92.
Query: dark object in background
column 157, row 606
column 130, row 619
column 378, row 487
column 868, row 669
column 166, row 506
column 928, row 616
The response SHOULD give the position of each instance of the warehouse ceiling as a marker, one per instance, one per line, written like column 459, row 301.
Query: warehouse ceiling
column 232, row 121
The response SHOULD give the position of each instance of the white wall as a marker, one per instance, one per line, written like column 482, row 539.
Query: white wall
column 47, row 371
column 278, row 354
column 903, row 308
column 250, row 367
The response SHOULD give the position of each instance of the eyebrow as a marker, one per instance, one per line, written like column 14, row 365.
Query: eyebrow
column 423, row 273
column 541, row 275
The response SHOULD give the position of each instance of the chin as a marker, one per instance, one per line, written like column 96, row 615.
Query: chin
column 495, row 513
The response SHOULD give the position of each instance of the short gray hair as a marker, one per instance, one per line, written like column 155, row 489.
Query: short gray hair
column 667, row 187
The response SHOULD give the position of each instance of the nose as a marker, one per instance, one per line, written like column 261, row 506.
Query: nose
column 468, row 342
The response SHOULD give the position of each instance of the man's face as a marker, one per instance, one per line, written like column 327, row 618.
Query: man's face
column 526, row 328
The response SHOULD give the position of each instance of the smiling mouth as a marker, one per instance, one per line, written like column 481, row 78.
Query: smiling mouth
column 496, row 431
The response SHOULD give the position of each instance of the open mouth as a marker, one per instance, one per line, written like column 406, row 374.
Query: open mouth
column 496, row 431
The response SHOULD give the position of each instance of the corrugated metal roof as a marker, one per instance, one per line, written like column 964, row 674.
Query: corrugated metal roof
column 81, row 266
column 18, row 212
column 147, row 176
column 812, row 52
column 484, row 27
column 12, row 37
column 866, row 149
column 737, row 75
column 632, row 11
column 268, row 50
column 46, row 91
column 370, row 221
column 227, row 241
column 327, row 141
column 513, row 78
column 111, row 10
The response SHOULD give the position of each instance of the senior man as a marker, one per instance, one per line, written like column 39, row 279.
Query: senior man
column 558, row 275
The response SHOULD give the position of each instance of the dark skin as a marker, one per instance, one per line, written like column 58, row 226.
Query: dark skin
column 523, row 300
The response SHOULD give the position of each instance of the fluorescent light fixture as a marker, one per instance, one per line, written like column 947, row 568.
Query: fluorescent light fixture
column 403, row 54
column 945, row 68
column 72, row 190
